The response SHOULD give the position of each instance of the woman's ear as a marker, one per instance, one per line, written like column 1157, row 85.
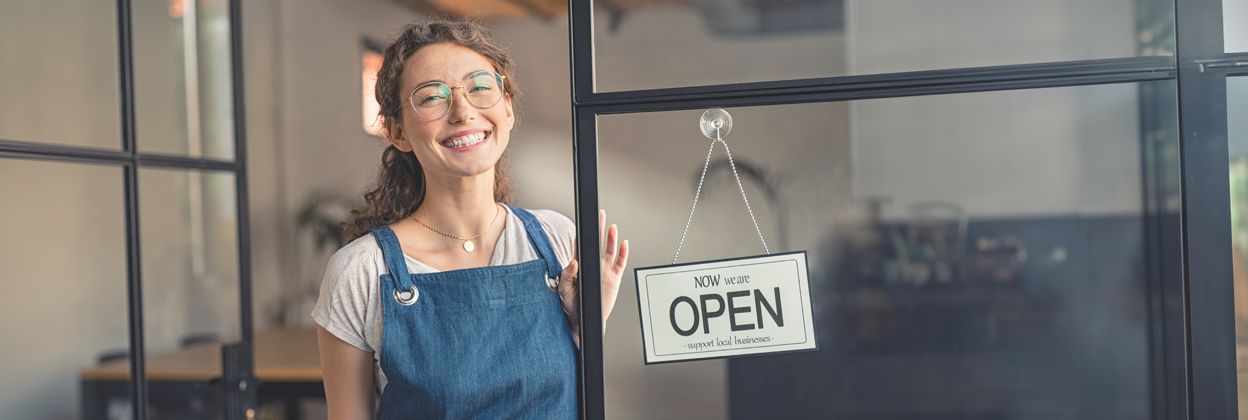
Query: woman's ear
column 511, row 114
column 394, row 133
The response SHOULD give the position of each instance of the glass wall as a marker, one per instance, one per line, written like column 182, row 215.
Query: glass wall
column 182, row 78
column 66, row 310
column 977, row 255
column 190, row 286
column 63, row 311
column 58, row 73
column 662, row 44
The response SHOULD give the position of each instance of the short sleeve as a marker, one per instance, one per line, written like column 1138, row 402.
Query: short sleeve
column 348, row 305
column 561, row 231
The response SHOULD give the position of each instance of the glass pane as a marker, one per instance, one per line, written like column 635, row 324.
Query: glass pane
column 1237, row 136
column 977, row 255
column 58, row 72
column 64, row 259
column 1235, row 25
column 182, row 78
column 190, row 281
column 661, row 44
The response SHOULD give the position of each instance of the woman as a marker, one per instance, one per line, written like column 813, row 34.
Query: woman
column 485, row 324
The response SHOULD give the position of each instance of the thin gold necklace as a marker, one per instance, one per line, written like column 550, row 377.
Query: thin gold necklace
column 468, row 245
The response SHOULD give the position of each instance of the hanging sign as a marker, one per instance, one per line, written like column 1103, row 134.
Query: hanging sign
column 725, row 308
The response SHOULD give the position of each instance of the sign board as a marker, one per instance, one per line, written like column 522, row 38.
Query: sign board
column 725, row 308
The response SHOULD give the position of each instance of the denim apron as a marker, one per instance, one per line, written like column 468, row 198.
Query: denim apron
column 488, row 342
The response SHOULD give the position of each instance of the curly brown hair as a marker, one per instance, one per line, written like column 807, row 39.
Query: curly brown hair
column 400, row 187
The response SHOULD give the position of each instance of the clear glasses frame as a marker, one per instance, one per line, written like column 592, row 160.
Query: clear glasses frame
column 436, row 98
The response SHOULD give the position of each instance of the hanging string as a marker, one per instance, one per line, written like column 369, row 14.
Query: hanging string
column 695, row 201
column 746, row 200
column 720, row 140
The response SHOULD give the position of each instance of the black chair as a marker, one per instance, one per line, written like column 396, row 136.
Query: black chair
column 198, row 338
column 112, row 355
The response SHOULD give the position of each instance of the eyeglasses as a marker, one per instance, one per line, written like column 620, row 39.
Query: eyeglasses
column 432, row 100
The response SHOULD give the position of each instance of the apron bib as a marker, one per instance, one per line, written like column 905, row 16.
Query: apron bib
column 488, row 342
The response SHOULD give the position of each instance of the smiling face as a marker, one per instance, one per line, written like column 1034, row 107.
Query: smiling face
column 465, row 142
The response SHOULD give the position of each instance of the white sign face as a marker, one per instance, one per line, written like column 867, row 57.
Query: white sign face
column 725, row 308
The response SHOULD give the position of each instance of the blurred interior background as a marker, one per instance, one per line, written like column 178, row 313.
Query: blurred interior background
column 976, row 255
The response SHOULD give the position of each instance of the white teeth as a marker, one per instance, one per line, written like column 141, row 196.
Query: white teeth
column 464, row 141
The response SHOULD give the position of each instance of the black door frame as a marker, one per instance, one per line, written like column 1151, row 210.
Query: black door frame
column 1193, row 339
column 237, row 375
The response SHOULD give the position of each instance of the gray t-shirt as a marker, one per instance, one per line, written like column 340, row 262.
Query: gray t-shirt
column 349, row 307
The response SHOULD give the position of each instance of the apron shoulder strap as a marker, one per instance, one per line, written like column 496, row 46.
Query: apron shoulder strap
column 541, row 243
column 393, row 253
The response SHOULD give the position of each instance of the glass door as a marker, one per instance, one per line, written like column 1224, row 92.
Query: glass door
column 1235, row 29
column 1237, row 136
column 1000, row 220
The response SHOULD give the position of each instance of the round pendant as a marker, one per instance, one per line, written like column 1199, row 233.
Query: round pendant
column 468, row 246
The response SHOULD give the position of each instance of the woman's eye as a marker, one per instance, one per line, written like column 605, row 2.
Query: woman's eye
column 432, row 98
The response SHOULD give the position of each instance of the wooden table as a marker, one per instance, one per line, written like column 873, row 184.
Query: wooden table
column 286, row 361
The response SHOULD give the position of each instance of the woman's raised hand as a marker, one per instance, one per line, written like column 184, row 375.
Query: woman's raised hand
column 614, row 258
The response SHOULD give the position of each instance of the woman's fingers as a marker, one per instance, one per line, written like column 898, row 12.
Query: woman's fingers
column 602, row 226
column 608, row 238
column 567, row 298
column 567, row 281
column 609, row 253
column 621, row 259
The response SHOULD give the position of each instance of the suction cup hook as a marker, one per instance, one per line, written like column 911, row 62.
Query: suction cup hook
column 715, row 123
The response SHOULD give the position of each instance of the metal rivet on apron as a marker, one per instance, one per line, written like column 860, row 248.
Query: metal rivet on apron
column 406, row 297
column 553, row 284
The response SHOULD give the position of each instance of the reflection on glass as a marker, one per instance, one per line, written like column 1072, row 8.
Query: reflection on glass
column 63, row 310
column 661, row 44
column 971, row 256
column 1235, row 25
column 1237, row 139
column 182, row 80
column 190, row 274
column 58, row 72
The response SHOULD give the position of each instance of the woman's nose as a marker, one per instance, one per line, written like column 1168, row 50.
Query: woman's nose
column 461, row 110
